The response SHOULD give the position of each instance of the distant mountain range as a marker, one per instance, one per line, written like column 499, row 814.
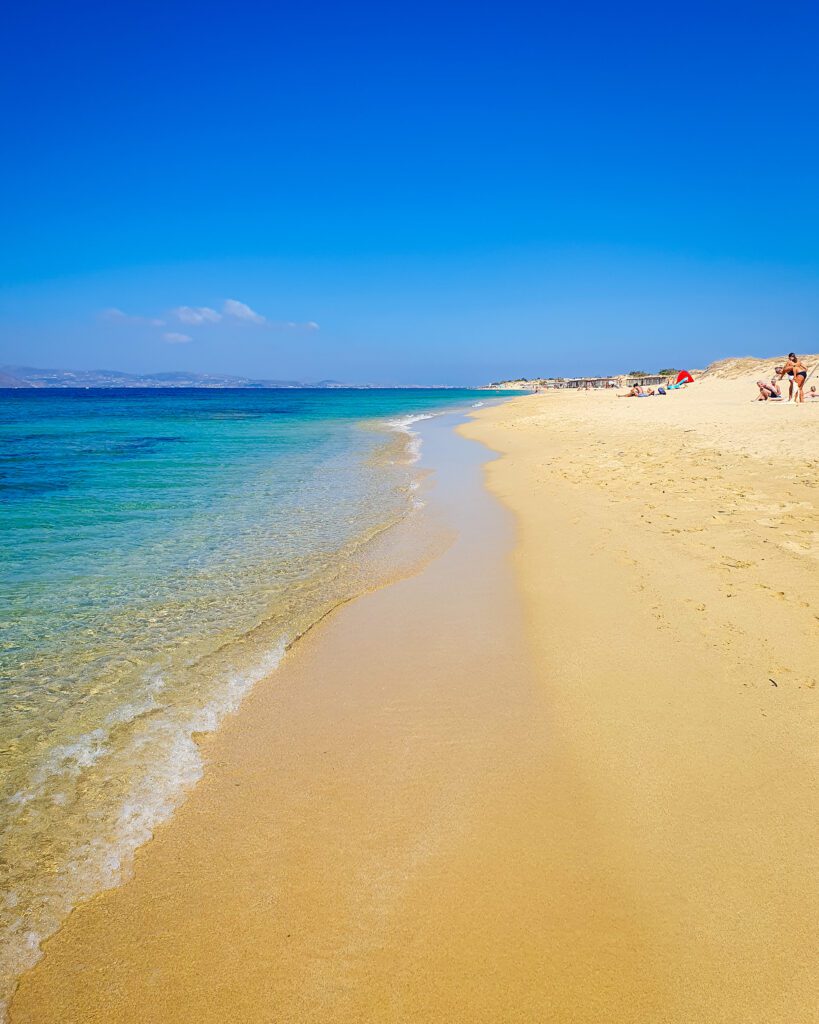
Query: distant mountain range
column 30, row 377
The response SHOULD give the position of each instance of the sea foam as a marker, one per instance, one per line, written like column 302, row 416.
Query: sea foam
column 105, row 858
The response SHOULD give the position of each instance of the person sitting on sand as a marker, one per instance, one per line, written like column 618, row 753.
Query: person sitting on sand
column 768, row 391
column 798, row 373
column 813, row 392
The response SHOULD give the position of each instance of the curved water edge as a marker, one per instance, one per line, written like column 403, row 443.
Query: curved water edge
column 92, row 796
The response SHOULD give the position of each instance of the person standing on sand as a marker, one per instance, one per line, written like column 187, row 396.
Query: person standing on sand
column 798, row 373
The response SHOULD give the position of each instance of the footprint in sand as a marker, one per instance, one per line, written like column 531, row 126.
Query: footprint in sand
column 733, row 563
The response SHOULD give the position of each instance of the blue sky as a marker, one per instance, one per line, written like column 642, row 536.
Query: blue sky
column 417, row 193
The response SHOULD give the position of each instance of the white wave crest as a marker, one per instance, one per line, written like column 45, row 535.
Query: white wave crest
column 404, row 424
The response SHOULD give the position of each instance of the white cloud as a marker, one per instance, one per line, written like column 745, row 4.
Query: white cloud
column 290, row 325
column 232, row 307
column 196, row 315
column 118, row 316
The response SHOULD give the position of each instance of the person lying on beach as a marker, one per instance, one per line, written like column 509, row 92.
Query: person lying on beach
column 813, row 392
column 768, row 391
column 798, row 374
column 638, row 392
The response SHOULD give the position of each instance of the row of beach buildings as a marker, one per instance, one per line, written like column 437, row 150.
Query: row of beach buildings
column 620, row 381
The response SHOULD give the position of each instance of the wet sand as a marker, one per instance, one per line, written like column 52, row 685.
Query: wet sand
column 547, row 778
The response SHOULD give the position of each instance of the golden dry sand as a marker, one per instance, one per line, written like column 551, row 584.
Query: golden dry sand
column 451, row 805
column 669, row 556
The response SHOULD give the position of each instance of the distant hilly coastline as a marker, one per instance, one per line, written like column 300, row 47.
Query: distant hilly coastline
column 31, row 377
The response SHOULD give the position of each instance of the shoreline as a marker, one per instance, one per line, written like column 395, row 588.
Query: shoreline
column 319, row 703
column 586, row 805
column 98, row 848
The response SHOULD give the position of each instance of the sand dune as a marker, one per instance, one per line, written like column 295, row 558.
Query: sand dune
column 751, row 367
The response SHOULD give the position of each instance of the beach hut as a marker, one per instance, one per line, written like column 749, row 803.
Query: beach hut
column 646, row 381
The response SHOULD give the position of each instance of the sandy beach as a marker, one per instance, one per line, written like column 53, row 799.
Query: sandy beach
column 668, row 555
column 567, row 771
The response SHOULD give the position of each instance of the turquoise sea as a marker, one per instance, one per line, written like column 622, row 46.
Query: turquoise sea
column 159, row 550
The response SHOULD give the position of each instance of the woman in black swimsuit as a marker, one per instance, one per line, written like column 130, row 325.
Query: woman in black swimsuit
column 798, row 372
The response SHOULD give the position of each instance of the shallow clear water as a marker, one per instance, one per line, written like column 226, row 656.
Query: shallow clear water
column 159, row 550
